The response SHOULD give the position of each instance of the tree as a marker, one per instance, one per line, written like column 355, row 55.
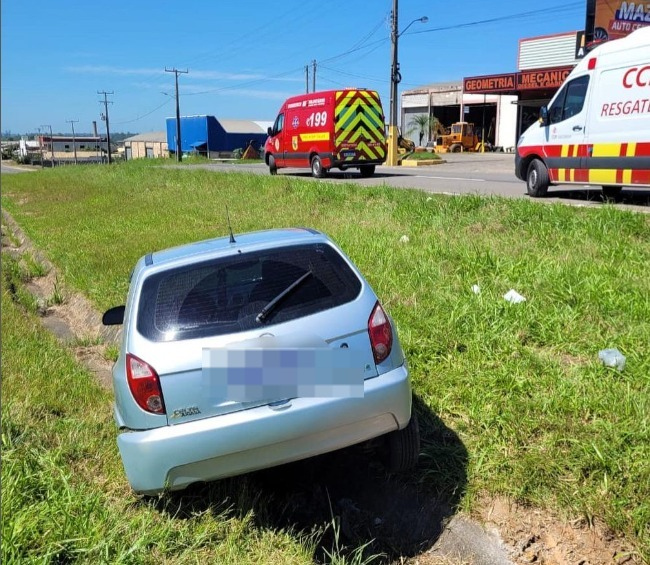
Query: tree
column 425, row 124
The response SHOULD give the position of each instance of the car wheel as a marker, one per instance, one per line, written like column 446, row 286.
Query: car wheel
column 317, row 167
column 455, row 148
column 403, row 447
column 273, row 168
column 367, row 171
column 611, row 192
column 537, row 179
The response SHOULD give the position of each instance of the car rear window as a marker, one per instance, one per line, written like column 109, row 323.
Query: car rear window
column 227, row 295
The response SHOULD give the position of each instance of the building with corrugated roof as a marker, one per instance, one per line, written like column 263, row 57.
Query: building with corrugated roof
column 207, row 136
column 150, row 145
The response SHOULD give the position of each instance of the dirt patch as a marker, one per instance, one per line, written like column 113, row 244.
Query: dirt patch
column 536, row 536
column 68, row 315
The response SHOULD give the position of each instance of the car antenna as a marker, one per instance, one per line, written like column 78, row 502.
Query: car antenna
column 232, row 237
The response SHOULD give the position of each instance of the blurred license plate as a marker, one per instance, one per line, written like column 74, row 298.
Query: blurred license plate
column 348, row 154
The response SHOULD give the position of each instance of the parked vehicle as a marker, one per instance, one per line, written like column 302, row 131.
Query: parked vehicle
column 341, row 129
column 243, row 354
column 596, row 130
column 461, row 136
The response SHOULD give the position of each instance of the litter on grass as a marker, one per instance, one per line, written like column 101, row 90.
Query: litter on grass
column 612, row 358
column 404, row 239
column 513, row 297
column 476, row 289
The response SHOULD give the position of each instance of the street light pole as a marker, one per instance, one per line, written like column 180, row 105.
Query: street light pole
column 395, row 78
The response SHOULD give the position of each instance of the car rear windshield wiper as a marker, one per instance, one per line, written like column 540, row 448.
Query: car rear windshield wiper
column 273, row 303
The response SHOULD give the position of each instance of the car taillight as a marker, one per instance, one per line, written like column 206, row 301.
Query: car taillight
column 144, row 384
column 380, row 332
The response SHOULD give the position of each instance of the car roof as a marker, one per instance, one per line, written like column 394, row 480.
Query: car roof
column 251, row 241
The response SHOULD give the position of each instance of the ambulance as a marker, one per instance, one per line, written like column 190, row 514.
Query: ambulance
column 341, row 129
column 596, row 129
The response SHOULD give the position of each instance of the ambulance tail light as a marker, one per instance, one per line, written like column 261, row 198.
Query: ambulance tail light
column 591, row 64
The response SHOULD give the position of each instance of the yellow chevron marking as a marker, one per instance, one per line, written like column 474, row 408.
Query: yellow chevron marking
column 356, row 128
column 602, row 176
column 565, row 151
column 343, row 102
column 344, row 111
column 317, row 136
column 627, row 176
column 631, row 150
column 606, row 150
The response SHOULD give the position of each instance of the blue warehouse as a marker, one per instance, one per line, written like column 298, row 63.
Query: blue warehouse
column 209, row 137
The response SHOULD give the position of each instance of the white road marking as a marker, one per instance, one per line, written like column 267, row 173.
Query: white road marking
column 447, row 178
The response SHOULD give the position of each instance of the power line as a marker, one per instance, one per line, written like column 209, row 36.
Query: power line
column 545, row 11
column 144, row 115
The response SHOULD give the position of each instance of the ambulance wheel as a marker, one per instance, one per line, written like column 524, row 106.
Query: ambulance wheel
column 273, row 168
column 537, row 178
column 317, row 169
column 455, row 148
column 367, row 171
column 611, row 192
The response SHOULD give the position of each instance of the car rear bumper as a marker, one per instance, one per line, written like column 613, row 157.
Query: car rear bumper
column 173, row 457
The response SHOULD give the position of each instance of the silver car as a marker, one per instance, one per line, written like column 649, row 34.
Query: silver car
column 241, row 354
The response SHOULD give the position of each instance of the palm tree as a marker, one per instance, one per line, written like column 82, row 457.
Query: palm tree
column 425, row 124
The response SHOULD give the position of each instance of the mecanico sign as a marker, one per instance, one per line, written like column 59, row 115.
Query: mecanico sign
column 611, row 19
column 540, row 79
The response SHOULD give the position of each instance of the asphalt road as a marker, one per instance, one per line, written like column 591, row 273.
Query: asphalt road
column 462, row 173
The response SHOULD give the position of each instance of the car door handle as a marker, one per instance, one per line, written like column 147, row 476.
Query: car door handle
column 577, row 128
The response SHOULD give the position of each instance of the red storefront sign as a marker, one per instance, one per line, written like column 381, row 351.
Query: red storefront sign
column 537, row 79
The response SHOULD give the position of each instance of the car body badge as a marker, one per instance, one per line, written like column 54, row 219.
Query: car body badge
column 296, row 122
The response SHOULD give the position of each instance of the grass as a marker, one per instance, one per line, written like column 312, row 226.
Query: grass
column 64, row 497
column 423, row 155
column 521, row 385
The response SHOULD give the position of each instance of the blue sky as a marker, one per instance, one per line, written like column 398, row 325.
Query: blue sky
column 244, row 58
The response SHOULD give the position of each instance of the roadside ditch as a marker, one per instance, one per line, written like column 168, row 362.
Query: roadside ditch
column 499, row 532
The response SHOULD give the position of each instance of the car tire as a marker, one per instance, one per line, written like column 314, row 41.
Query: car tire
column 317, row 169
column 455, row 148
column 403, row 447
column 367, row 171
column 273, row 168
column 537, row 179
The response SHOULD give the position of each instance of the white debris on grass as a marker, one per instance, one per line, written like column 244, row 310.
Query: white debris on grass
column 612, row 358
column 513, row 297
column 404, row 239
column 476, row 289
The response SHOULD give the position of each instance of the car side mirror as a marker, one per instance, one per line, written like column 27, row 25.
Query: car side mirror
column 270, row 132
column 114, row 316
column 543, row 115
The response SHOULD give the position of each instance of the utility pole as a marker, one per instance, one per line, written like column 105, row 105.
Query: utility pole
column 105, row 118
column 307, row 79
column 313, row 78
column 74, row 139
column 51, row 142
column 179, row 148
column 40, row 146
column 394, row 81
